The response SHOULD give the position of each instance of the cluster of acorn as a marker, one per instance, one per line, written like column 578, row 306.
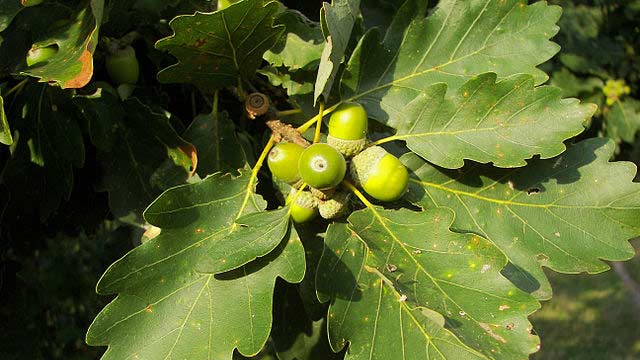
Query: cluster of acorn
column 323, row 167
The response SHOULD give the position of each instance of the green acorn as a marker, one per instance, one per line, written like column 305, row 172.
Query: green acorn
column 321, row 166
column 380, row 174
column 283, row 162
column 305, row 207
column 335, row 207
column 348, row 129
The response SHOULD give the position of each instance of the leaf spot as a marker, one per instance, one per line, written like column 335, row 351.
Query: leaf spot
column 485, row 267
column 504, row 307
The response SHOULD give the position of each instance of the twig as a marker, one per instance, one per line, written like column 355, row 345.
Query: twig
column 285, row 131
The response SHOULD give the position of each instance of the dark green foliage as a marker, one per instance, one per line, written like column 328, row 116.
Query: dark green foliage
column 147, row 193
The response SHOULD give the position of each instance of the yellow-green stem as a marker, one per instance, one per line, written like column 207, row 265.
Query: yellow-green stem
column 386, row 140
column 254, row 174
column 358, row 193
column 284, row 113
column 316, row 137
column 304, row 127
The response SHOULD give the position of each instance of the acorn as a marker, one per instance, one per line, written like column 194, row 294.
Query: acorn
column 321, row 166
column 305, row 208
column 348, row 129
column 335, row 207
column 283, row 162
column 380, row 174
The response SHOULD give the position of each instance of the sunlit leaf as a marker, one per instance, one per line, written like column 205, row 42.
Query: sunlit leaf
column 186, row 314
column 402, row 283
column 504, row 123
column 460, row 39
column 567, row 213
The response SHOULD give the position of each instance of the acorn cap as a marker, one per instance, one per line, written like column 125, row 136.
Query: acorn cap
column 348, row 148
column 361, row 164
column 305, row 199
column 323, row 194
column 336, row 206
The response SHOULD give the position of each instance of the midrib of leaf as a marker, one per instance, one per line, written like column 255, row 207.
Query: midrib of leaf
column 420, row 267
column 233, row 48
column 403, row 305
column 134, row 162
column 186, row 318
column 510, row 201
column 246, row 285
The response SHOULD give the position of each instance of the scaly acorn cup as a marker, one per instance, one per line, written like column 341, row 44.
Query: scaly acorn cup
column 380, row 174
column 305, row 208
column 322, row 167
column 283, row 162
column 41, row 54
column 122, row 66
column 335, row 207
column 348, row 129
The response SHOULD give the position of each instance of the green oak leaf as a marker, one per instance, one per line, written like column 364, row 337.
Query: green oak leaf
column 301, row 45
column 565, row 213
column 165, row 309
column 251, row 236
column 140, row 153
column 5, row 130
column 622, row 120
column 338, row 19
column 8, row 10
column 72, row 65
column 296, row 83
column 219, row 49
column 216, row 142
column 504, row 122
column 460, row 39
column 400, row 282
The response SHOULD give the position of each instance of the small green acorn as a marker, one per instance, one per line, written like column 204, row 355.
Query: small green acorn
column 335, row 207
column 305, row 207
column 283, row 162
column 348, row 129
column 122, row 66
column 380, row 174
column 321, row 166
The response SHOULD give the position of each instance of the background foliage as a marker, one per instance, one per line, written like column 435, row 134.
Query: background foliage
column 82, row 169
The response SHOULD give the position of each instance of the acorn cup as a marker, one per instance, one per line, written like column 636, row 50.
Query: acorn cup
column 348, row 129
column 305, row 208
column 336, row 206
